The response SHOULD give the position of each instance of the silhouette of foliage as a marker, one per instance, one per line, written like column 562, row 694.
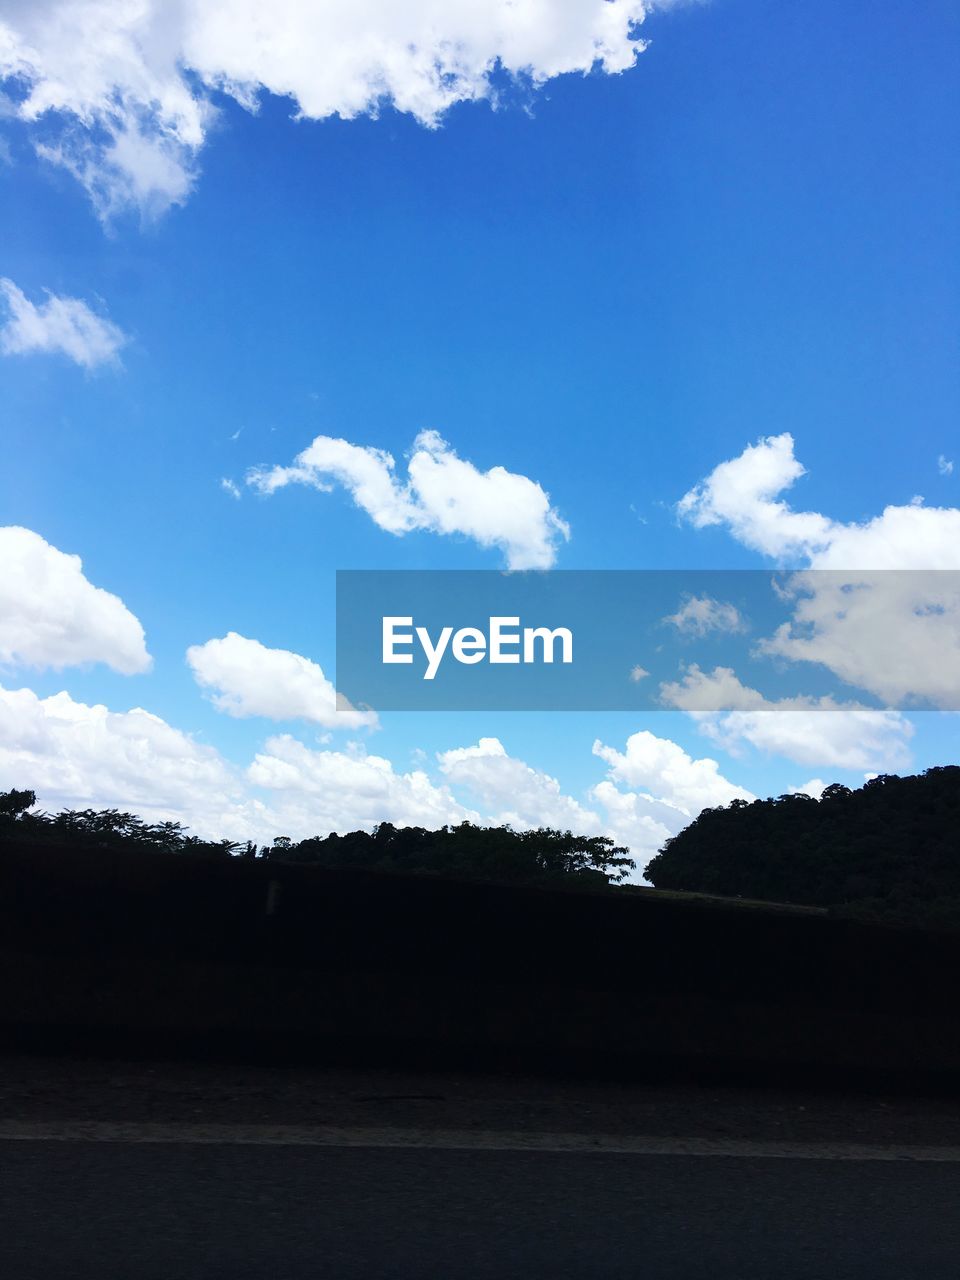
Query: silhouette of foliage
column 497, row 853
column 890, row 849
column 490, row 853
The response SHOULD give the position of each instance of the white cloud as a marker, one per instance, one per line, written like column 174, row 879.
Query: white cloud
column 249, row 679
column 699, row 615
column 638, row 673
column 51, row 616
column 442, row 493
column 79, row 756
column 814, row 788
column 807, row 730
column 321, row 791
column 742, row 494
column 639, row 822
column 230, row 486
column 512, row 792
column 945, row 466
column 896, row 635
column 124, row 85
column 64, row 326
column 653, row 789
column 668, row 774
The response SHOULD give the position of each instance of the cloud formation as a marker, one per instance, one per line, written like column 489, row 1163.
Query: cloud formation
column 248, row 679
column 813, row 731
column 442, row 493
column 124, row 88
column 894, row 634
column 78, row 756
column 513, row 793
column 52, row 616
column 62, row 326
column 743, row 495
column 315, row 792
column 668, row 774
column 699, row 615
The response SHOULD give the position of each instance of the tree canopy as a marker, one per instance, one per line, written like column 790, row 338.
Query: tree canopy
column 890, row 848
column 497, row 853
column 491, row 853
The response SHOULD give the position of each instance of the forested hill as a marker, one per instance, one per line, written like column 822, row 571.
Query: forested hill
column 889, row 849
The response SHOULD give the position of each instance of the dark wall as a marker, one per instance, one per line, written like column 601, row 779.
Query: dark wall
column 118, row 940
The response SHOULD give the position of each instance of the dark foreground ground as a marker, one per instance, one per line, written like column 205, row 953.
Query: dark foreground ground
column 123, row 1170
column 250, row 1213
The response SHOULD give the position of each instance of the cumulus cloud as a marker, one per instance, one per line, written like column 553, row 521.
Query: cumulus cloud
column 320, row 791
column 742, row 495
column 76, row 755
column 123, row 88
column 508, row 790
column 638, row 821
column 79, row 756
column 699, row 615
column 63, row 326
column 895, row 634
column 807, row 730
column 668, row 774
column 248, row 679
column 442, row 493
column 653, row 789
column 512, row 792
column 814, row 789
column 52, row 616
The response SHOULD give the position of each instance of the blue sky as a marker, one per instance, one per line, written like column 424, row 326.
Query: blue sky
column 610, row 284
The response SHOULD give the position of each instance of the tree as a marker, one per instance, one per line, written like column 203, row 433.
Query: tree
column 497, row 853
column 14, row 804
column 895, row 843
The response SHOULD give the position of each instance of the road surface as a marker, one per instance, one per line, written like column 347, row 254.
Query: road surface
column 220, row 1209
column 165, row 1171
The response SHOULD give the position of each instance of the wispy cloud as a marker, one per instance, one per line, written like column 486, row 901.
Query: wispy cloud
column 699, row 615
column 58, row 325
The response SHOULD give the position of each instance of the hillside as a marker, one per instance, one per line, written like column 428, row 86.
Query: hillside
column 889, row 850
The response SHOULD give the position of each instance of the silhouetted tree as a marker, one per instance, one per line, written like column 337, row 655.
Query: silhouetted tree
column 891, row 848
column 490, row 853
column 498, row 853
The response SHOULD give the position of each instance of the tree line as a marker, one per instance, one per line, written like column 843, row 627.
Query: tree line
column 544, row 855
column 888, row 850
